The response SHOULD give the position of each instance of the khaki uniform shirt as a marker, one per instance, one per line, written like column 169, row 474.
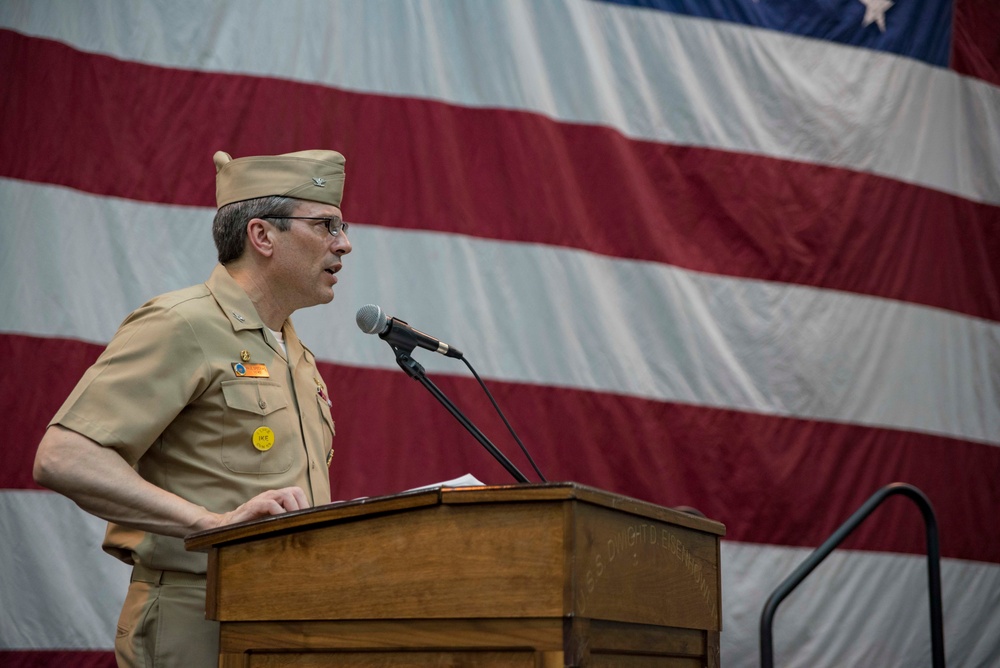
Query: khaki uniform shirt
column 175, row 394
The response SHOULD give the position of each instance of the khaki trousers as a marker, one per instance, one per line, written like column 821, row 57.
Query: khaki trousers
column 163, row 625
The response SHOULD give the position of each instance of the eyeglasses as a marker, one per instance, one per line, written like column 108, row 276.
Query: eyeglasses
column 333, row 225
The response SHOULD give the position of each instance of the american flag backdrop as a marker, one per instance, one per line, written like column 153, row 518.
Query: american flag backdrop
column 740, row 255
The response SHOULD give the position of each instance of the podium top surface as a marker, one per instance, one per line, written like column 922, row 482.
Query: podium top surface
column 342, row 511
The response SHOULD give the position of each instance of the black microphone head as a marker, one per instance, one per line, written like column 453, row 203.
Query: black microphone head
column 371, row 319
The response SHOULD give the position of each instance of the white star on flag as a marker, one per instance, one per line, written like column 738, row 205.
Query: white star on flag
column 875, row 12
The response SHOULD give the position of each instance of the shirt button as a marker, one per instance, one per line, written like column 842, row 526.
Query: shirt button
column 262, row 404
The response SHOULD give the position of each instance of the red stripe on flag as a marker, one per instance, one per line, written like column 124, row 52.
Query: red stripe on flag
column 975, row 47
column 56, row 659
column 147, row 133
column 771, row 480
column 39, row 374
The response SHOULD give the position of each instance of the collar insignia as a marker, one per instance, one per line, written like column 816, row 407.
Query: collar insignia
column 319, row 182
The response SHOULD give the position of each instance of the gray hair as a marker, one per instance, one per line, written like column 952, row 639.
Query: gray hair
column 229, row 229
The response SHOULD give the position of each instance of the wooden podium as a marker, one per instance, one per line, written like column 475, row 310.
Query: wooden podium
column 554, row 574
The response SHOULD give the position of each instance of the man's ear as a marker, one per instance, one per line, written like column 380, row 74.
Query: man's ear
column 260, row 236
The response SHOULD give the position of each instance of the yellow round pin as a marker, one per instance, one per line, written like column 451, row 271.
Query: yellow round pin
column 263, row 438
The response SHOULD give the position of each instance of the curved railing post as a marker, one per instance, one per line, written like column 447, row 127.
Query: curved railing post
column 824, row 550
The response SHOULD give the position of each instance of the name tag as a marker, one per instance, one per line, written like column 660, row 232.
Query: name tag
column 250, row 370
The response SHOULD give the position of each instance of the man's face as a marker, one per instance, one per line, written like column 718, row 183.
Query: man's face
column 307, row 256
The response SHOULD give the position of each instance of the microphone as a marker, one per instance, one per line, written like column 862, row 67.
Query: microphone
column 373, row 320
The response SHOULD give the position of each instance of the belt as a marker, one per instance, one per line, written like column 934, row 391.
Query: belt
column 153, row 576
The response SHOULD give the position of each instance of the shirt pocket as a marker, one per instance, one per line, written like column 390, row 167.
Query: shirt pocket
column 251, row 405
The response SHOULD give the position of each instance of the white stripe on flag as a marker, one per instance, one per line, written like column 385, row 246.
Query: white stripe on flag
column 857, row 609
column 62, row 592
column 539, row 314
column 580, row 62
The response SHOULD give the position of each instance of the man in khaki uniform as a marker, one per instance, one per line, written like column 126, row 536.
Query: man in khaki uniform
column 206, row 409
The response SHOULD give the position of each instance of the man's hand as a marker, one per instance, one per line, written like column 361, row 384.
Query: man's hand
column 271, row 502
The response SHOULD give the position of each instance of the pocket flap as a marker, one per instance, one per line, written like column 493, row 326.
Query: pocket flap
column 260, row 397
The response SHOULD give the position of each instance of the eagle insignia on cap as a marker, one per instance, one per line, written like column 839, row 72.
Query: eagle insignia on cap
column 319, row 182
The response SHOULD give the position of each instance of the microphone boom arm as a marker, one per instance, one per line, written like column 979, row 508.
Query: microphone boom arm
column 414, row 370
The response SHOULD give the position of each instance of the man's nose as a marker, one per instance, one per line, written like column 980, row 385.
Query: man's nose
column 341, row 244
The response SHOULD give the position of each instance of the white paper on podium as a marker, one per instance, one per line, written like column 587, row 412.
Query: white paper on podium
column 467, row 480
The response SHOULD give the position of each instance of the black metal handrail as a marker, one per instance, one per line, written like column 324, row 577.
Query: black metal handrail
column 824, row 550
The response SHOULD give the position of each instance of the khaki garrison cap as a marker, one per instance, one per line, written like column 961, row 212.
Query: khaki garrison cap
column 317, row 176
